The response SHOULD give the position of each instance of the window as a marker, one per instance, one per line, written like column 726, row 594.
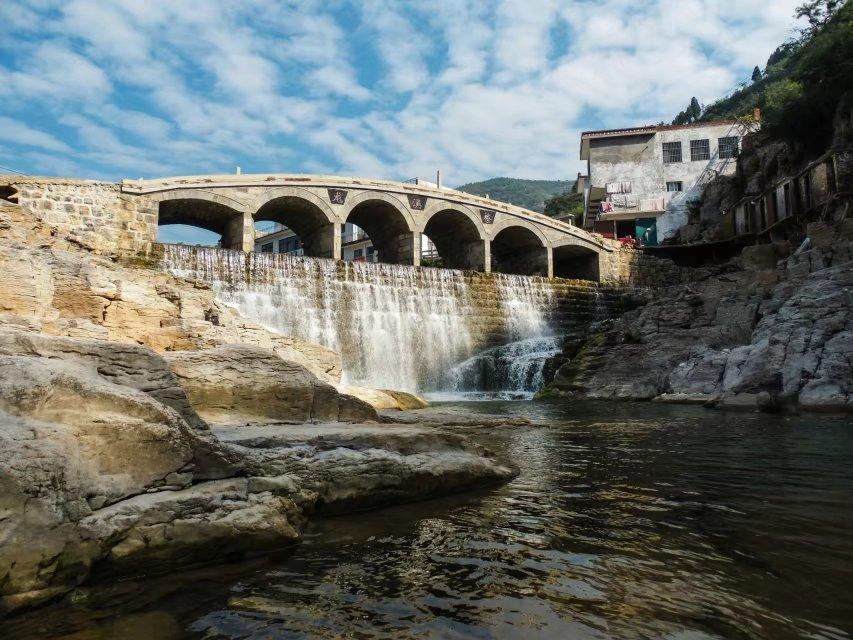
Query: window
column 728, row 148
column 282, row 246
column 674, row 186
column 700, row 150
column 266, row 248
column 358, row 253
column 672, row 152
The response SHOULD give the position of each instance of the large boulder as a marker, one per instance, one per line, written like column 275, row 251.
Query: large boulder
column 120, row 363
column 123, row 437
column 71, row 443
column 242, row 384
column 356, row 467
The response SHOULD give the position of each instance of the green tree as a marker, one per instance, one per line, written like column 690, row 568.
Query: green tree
column 756, row 74
column 695, row 110
column 818, row 14
column 691, row 114
column 564, row 204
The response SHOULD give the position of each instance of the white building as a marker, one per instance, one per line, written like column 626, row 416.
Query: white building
column 355, row 244
column 642, row 182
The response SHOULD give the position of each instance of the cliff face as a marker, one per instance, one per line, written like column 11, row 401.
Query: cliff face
column 766, row 330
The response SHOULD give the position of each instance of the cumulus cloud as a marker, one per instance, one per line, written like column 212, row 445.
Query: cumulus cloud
column 382, row 88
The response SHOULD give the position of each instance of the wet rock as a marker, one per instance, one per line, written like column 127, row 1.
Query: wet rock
column 241, row 384
column 356, row 467
column 744, row 338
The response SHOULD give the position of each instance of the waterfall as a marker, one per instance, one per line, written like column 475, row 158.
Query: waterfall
column 512, row 371
column 396, row 327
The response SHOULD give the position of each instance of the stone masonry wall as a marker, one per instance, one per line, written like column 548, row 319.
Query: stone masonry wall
column 631, row 267
column 93, row 215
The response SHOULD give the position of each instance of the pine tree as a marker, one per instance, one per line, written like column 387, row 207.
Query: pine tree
column 756, row 74
column 694, row 111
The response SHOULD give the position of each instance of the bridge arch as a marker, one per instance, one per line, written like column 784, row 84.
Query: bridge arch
column 204, row 209
column 458, row 235
column 304, row 213
column 575, row 260
column 387, row 222
column 519, row 247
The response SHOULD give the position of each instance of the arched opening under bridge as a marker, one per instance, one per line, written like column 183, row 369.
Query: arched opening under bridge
column 200, row 222
column 388, row 230
column 517, row 249
column 457, row 240
column 576, row 262
column 290, row 224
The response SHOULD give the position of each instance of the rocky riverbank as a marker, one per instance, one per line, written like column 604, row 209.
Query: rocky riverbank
column 146, row 427
column 107, row 464
column 771, row 329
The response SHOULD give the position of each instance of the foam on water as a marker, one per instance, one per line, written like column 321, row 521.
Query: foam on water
column 395, row 326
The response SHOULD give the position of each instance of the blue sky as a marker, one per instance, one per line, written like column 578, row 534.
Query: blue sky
column 480, row 88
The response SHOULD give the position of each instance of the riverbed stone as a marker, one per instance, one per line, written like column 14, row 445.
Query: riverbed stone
column 241, row 384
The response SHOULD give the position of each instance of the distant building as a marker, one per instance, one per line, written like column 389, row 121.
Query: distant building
column 355, row 245
column 644, row 182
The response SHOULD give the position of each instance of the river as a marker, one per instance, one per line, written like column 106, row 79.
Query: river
column 627, row 521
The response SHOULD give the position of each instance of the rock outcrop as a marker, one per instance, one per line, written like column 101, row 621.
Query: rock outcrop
column 761, row 332
column 144, row 426
column 48, row 284
column 107, row 465
column 242, row 384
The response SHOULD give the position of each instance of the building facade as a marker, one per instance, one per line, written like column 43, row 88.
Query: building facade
column 771, row 212
column 643, row 183
column 355, row 244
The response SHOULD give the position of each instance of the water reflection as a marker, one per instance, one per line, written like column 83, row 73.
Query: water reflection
column 627, row 522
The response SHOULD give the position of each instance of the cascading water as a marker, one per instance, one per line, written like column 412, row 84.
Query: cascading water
column 513, row 370
column 396, row 327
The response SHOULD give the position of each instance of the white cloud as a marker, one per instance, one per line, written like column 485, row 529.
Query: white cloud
column 381, row 88
column 17, row 132
column 56, row 72
column 400, row 45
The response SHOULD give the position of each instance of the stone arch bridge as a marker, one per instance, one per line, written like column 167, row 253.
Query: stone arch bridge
column 468, row 232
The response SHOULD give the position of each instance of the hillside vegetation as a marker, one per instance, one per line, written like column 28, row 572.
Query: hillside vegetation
column 530, row 194
column 806, row 82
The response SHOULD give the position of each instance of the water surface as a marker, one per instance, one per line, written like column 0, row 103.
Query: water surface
column 627, row 521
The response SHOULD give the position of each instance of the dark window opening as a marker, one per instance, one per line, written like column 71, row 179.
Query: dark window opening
column 671, row 152
column 728, row 148
column 700, row 150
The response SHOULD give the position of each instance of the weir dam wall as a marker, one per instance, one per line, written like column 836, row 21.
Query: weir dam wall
column 400, row 327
